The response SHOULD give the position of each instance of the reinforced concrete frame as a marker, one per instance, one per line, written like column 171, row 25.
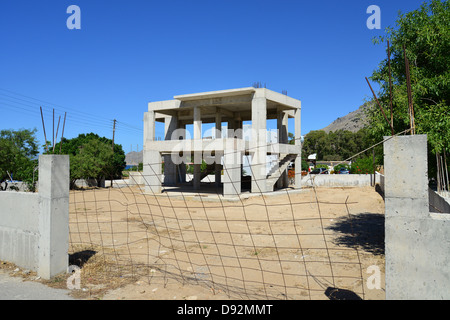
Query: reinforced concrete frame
column 224, row 151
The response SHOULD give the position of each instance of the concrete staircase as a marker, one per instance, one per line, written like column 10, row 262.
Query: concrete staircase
column 277, row 170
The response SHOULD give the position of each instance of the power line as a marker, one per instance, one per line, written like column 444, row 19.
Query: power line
column 96, row 118
column 80, row 118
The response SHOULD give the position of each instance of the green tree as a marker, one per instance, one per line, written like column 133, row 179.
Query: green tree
column 338, row 145
column 91, row 156
column 315, row 142
column 425, row 33
column 18, row 156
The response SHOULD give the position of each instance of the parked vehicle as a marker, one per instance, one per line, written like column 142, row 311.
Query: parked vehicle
column 320, row 171
column 343, row 171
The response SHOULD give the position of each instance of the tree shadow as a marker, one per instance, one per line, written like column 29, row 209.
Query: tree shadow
column 81, row 257
column 363, row 230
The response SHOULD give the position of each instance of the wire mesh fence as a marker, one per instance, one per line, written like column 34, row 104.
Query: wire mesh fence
column 291, row 244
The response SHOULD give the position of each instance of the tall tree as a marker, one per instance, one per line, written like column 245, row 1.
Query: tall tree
column 425, row 34
column 91, row 156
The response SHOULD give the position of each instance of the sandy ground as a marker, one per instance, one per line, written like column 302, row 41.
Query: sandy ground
column 289, row 246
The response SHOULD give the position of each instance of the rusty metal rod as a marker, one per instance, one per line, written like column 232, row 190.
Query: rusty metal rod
column 62, row 135
column 390, row 84
column 43, row 126
column 409, row 92
column 381, row 108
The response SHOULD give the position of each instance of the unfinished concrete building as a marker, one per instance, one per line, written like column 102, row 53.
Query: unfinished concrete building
column 222, row 152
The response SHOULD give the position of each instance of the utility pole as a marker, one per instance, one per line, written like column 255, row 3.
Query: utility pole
column 114, row 133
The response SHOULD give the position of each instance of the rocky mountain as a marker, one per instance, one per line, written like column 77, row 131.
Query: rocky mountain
column 133, row 158
column 353, row 122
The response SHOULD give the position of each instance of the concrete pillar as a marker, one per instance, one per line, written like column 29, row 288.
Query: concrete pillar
column 218, row 165
column 152, row 171
column 149, row 126
column 282, row 126
column 232, row 161
column 197, row 146
column 170, row 169
column 298, row 142
column 231, row 127
column 258, row 143
column 151, row 159
column 197, row 176
column 197, row 123
column 182, row 166
column 53, row 190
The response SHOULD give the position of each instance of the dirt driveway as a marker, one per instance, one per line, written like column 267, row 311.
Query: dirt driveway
column 289, row 246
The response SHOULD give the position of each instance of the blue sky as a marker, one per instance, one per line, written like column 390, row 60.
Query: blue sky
column 128, row 53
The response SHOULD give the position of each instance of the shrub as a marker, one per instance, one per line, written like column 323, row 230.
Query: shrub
column 362, row 166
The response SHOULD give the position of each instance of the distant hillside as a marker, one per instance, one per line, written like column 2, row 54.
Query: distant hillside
column 353, row 122
column 133, row 158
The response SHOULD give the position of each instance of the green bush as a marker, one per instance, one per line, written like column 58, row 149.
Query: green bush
column 362, row 166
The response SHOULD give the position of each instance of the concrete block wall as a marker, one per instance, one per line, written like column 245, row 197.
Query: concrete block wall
column 34, row 227
column 417, row 246
column 338, row 180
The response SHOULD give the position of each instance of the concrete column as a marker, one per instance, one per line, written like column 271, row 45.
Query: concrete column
column 53, row 190
column 182, row 166
column 258, row 143
column 231, row 127
column 232, row 161
column 218, row 165
column 151, row 159
column 197, row 147
column 298, row 142
column 152, row 171
column 218, row 124
column 197, row 176
column 282, row 126
column 170, row 169
column 149, row 126
column 197, row 123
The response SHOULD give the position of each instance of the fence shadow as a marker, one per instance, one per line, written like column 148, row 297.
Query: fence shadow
column 363, row 230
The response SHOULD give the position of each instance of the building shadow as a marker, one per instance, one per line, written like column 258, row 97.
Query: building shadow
column 363, row 230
